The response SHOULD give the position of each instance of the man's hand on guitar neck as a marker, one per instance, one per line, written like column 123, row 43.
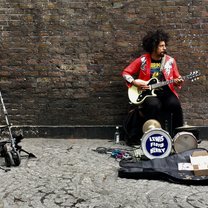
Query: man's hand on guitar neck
column 141, row 84
column 178, row 81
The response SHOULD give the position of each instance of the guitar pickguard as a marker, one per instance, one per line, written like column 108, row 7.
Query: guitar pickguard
column 147, row 93
column 144, row 95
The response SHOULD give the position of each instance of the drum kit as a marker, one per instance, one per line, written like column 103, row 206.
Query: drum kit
column 157, row 143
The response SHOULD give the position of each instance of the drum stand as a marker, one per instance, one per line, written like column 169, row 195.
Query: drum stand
column 169, row 124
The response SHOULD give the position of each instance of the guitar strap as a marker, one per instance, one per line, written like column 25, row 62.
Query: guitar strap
column 163, row 63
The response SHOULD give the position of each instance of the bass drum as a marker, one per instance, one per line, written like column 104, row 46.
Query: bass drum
column 156, row 143
column 183, row 141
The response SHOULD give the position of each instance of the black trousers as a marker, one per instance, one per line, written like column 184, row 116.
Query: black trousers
column 165, row 107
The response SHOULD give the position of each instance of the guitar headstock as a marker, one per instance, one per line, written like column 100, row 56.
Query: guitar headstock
column 193, row 76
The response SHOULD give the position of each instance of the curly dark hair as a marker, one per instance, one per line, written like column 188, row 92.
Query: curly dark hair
column 152, row 40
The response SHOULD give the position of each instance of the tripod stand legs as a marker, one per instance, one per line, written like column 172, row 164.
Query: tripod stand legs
column 5, row 169
column 29, row 153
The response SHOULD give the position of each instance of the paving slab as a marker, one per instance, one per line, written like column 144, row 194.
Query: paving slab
column 67, row 173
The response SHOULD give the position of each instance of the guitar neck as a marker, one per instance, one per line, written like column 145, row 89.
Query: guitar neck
column 163, row 83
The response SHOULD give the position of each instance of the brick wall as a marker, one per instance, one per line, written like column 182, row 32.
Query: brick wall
column 61, row 59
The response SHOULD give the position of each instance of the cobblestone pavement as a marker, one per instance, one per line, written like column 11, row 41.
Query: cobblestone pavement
column 67, row 173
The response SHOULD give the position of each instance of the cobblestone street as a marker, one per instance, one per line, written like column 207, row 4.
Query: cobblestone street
column 67, row 173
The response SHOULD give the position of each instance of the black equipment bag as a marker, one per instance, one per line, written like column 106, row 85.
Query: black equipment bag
column 163, row 169
column 132, row 126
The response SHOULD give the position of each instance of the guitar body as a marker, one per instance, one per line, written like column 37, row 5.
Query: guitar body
column 138, row 96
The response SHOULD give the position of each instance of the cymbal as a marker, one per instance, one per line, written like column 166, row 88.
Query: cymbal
column 186, row 126
column 150, row 124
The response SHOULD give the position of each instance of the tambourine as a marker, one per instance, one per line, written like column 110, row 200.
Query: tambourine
column 156, row 143
column 183, row 141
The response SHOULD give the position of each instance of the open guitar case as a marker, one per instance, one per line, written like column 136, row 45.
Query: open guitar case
column 163, row 169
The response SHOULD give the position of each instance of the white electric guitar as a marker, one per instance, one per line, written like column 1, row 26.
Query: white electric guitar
column 137, row 96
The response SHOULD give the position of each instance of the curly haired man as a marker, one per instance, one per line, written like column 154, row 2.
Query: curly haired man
column 156, row 65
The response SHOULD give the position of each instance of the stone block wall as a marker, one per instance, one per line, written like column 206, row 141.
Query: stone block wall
column 60, row 60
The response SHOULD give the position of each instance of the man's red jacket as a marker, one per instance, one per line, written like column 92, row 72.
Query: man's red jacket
column 141, row 68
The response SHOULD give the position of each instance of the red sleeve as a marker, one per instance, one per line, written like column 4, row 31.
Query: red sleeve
column 176, row 73
column 175, row 70
column 133, row 68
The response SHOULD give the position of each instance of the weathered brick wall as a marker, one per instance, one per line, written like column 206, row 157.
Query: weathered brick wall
column 61, row 59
